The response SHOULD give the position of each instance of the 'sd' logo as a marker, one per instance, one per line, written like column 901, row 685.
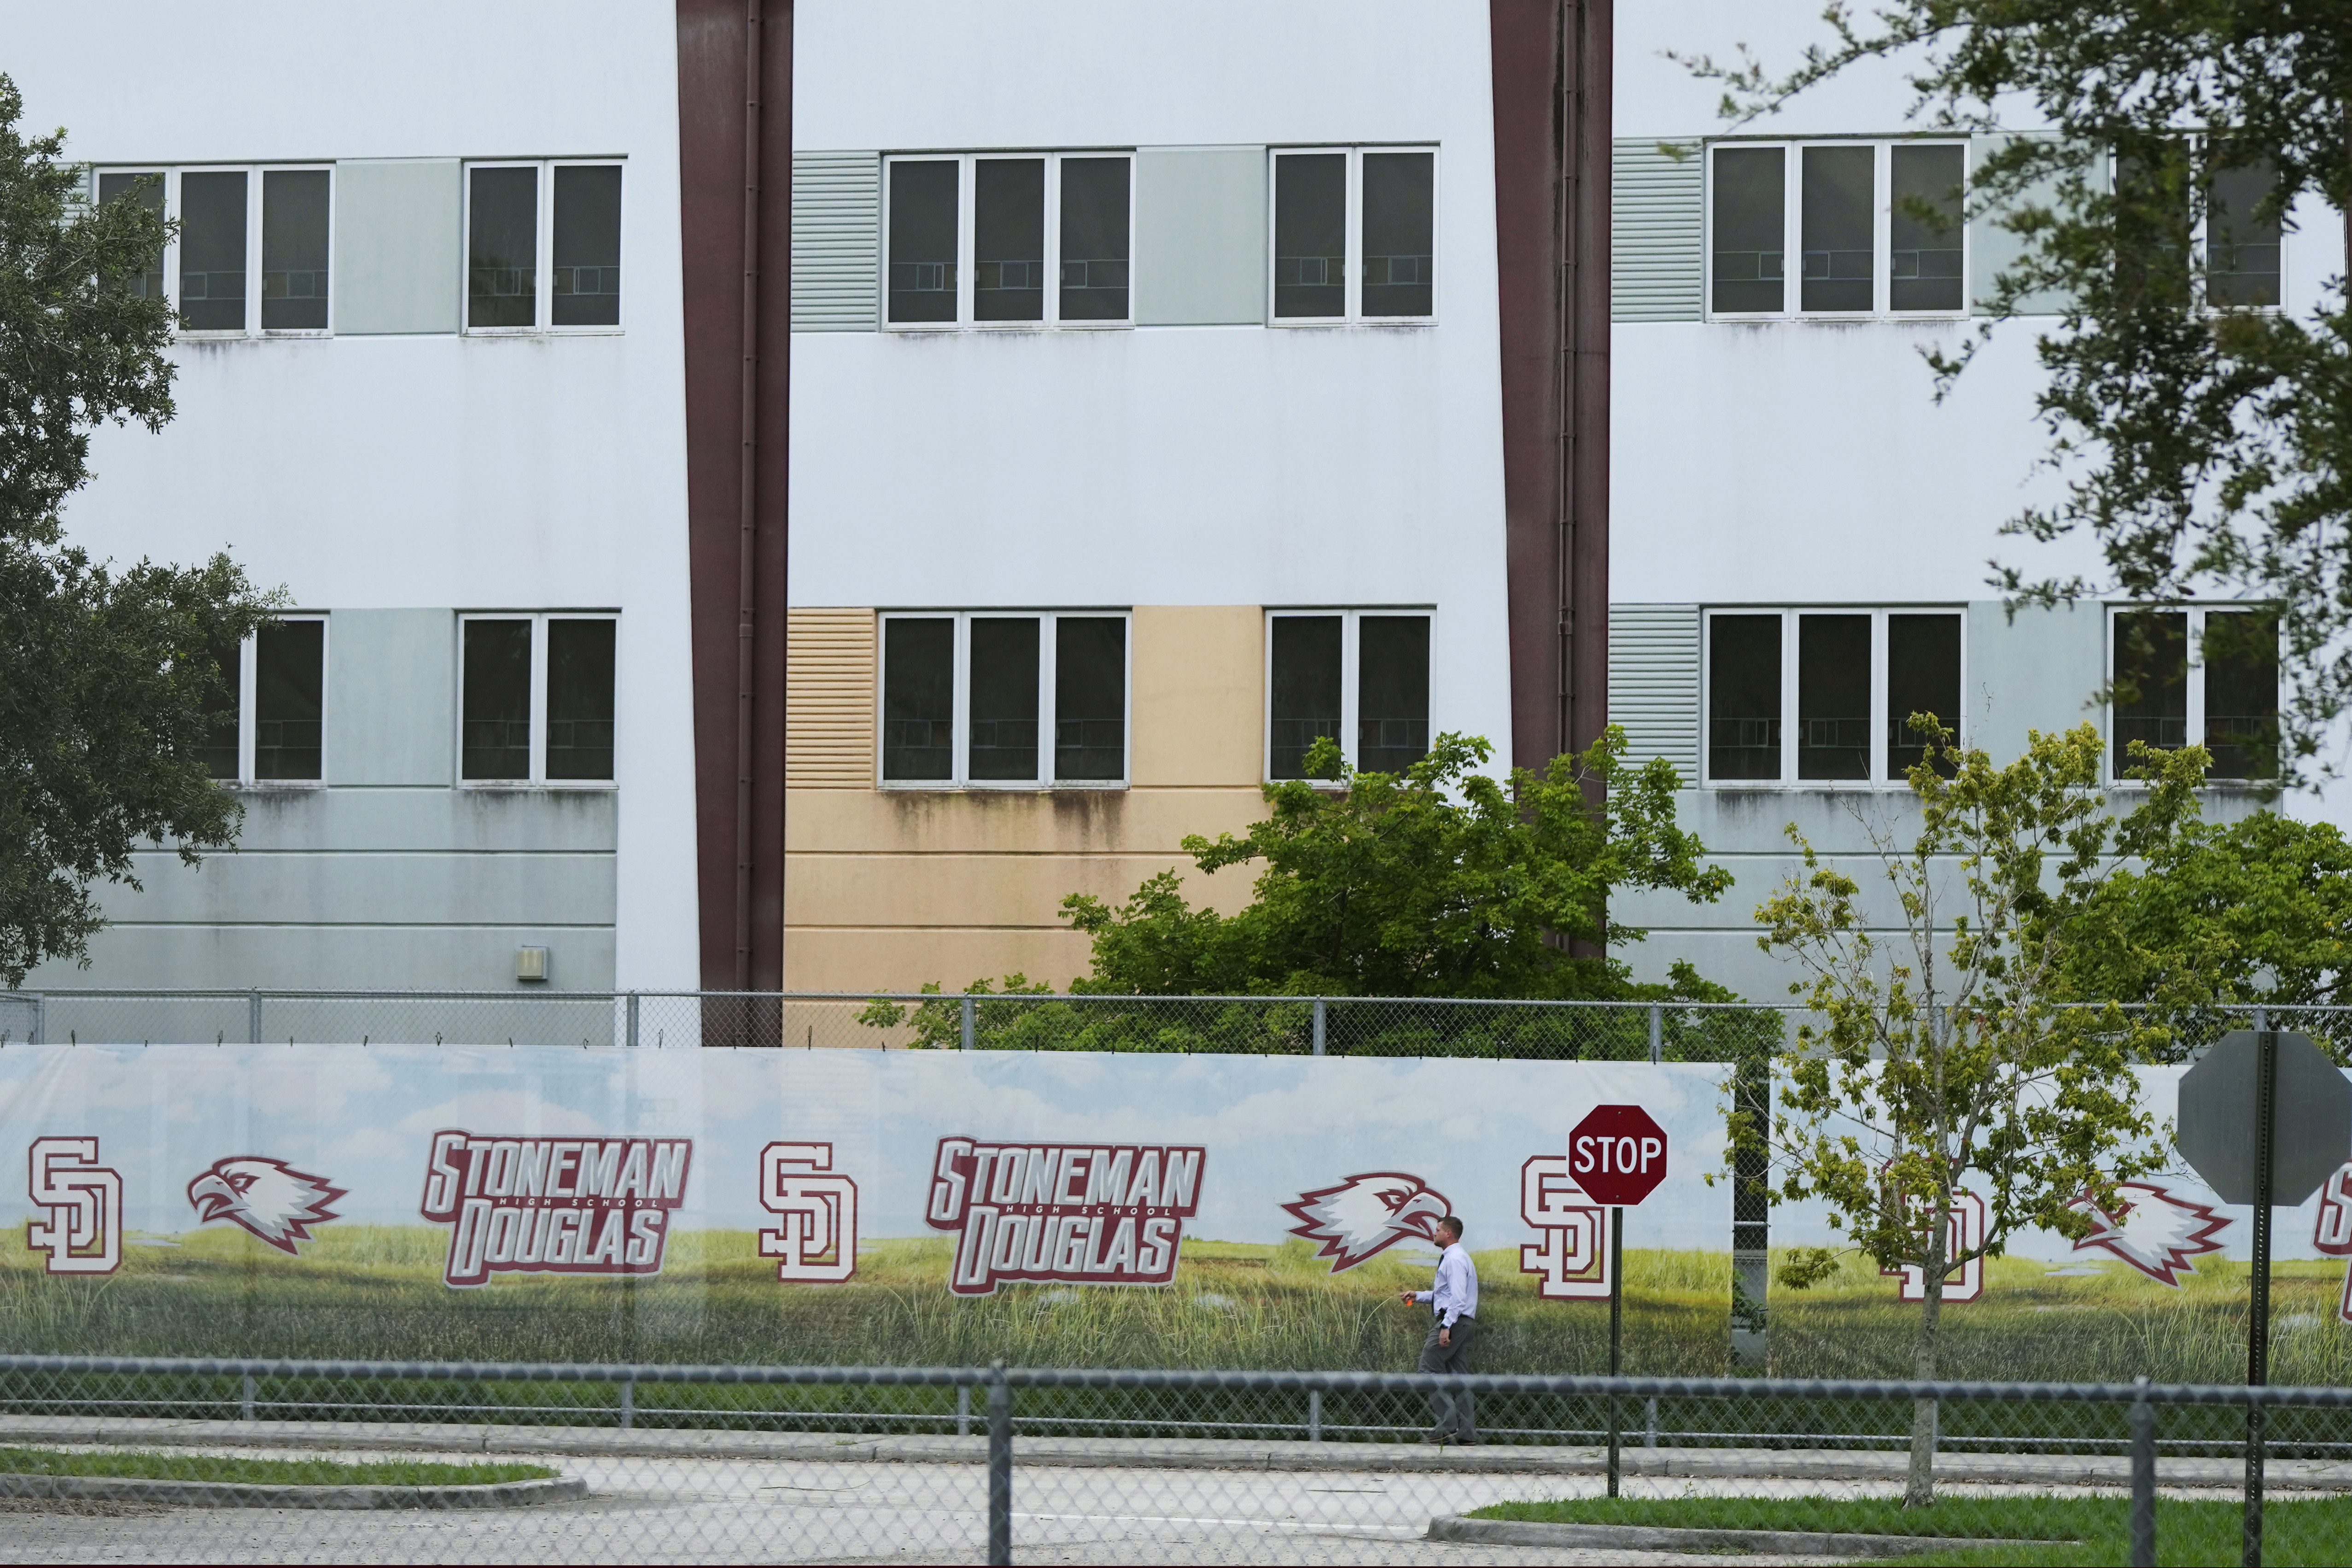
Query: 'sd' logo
column 83, row 1201
column 267, row 1197
column 815, row 1237
column 1367, row 1214
column 1571, row 1262
column 1063, row 1211
column 553, row 1206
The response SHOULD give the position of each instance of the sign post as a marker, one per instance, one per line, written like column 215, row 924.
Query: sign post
column 2264, row 1117
column 1618, row 1156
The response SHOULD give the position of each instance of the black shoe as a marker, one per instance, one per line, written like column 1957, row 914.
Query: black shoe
column 1463, row 1442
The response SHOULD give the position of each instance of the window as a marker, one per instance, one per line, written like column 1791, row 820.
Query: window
column 1355, row 235
column 1851, row 678
column 536, row 699
column 535, row 265
column 1035, row 240
column 2243, row 255
column 1360, row 677
column 227, row 219
column 269, row 727
column 995, row 699
column 1875, row 227
column 2224, row 699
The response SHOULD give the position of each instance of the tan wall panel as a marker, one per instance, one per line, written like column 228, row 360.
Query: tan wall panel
column 978, row 890
column 893, row 960
column 1009, row 822
column 1200, row 694
column 829, row 678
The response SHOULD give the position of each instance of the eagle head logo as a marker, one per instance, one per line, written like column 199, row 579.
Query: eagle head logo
column 1365, row 1213
column 2155, row 1232
column 268, row 1198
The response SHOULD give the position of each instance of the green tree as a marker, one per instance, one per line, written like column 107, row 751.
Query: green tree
column 1438, row 882
column 1948, row 1060
column 105, row 673
column 2204, row 436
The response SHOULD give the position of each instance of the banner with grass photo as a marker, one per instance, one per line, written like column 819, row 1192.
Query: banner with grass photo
column 837, row 1207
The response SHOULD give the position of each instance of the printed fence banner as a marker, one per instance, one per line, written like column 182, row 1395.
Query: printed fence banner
column 542, row 1202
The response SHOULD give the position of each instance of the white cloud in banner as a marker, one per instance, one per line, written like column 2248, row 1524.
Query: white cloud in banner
column 504, row 1112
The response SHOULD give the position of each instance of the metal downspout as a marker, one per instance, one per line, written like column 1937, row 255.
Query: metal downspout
column 747, row 580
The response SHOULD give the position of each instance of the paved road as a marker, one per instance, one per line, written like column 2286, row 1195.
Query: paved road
column 653, row 1509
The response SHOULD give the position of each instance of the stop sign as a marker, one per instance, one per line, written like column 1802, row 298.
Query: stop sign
column 1617, row 1154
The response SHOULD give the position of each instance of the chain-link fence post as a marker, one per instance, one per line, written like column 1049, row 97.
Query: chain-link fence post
column 963, row 1409
column 2143, row 1480
column 628, row 1403
column 970, row 1011
column 1318, row 1025
column 245, row 1398
column 1000, row 1459
column 1314, row 1415
column 1657, row 1033
column 633, row 1021
column 253, row 1018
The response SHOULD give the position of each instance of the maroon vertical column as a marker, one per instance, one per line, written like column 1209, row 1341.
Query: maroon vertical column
column 734, row 64
column 1551, row 95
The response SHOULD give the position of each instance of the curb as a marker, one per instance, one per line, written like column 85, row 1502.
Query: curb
column 1663, row 1538
column 272, row 1494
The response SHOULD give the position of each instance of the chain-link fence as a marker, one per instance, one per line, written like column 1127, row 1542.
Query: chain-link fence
column 1293, row 1026
column 160, row 1460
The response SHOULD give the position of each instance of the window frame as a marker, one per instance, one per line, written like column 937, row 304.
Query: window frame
column 1351, row 312
column 1790, row 630
column 2200, row 245
column 2192, row 685
column 255, row 195
column 967, row 241
column 248, row 681
column 1793, row 196
column 1350, row 675
column 543, row 322
column 960, row 677
column 540, row 620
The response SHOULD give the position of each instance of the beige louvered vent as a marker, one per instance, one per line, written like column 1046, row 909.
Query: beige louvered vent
column 1653, row 681
column 829, row 699
column 836, row 239
column 1657, row 262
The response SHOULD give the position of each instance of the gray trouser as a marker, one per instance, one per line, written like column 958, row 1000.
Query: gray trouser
column 1456, row 1413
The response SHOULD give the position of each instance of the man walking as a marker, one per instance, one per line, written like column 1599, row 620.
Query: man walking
column 1453, row 1323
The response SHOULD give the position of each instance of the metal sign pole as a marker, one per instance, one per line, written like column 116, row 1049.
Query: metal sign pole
column 1616, row 1330
column 2257, row 1321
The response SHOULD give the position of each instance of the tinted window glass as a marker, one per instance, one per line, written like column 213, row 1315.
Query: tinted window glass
column 1089, row 697
column 1392, row 692
column 147, row 189
column 1923, row 676
column 288, row 699
column 1306, row 696
column 294, row 249
column 579, row 699
column 917, row 698
column 922, row 280
column 1750, row 217
column 2242, row 694
column 1840, row 259
column 1003, row 697
column 494, row 731
column 1834, row 697
column 587, row 263
column 212, row 252
column 1094, row 239
column 2151, row 683
column 1008, row 250
column 1923, row 251
column 2241, row 255
column 502, row 250
column 1310, row 234
column 1743, row 676
column 1400, row 228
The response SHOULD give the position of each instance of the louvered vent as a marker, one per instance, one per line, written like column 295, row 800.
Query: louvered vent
column 829, row 699
column 1657, row 249
column 1653, row 681
column 837, row 225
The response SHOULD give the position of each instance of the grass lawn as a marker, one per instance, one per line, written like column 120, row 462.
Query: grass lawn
column 178, row 1467
column 2301, row 1530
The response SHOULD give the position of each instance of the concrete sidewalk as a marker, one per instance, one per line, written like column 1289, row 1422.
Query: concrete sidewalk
column 1160, row 1453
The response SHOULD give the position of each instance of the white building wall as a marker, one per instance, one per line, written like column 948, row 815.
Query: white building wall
column 436, row 472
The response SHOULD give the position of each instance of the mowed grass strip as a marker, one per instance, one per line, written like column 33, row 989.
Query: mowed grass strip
column 144, row 1465
column 2044, row 1528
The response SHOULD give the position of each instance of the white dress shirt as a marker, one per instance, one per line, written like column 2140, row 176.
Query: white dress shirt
column 1456, row 1295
